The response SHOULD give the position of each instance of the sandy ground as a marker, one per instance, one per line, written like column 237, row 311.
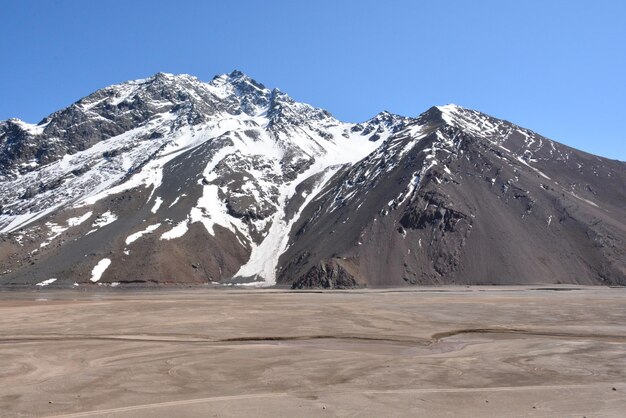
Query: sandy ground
column 421, row 352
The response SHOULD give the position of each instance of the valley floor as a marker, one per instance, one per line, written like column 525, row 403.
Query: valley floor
column 451, row 351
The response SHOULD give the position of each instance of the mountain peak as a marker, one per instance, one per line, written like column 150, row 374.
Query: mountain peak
column 160, row 76
column 458, row 116
column 238, row 78
column 441, row 111
column 163, row 76
column 236, row 83
column 385, row 115
column 237, row 74
column 230, row 182
column 450, row 107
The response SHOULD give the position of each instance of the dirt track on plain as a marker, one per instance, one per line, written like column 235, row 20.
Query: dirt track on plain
column 433, row 352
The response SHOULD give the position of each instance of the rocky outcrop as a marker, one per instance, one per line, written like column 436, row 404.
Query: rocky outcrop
column 326, row 275
column 171, row 180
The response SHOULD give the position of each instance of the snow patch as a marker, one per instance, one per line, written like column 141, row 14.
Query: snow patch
column 177, row 199
column 20, row 221
column 103, row 220
column 584, row 200
column 157, row 204
column 46, row 282
column 134, row 237
column 79, row 219
column 264, row 257
column 55, row 231
column 99, row 269
column 521, row 160
column 177, row 231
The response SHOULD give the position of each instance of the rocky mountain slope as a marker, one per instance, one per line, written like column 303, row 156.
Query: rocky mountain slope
column 170, row 180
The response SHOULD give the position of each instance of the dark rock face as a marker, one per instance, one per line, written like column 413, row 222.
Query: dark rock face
column 162, row 172
column 435, row 215
column 326, row 275
column 170, row 180
column 446, row 202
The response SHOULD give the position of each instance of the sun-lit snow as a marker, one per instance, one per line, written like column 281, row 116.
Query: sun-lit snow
column 157, row 204
column 176, row 200
column 127, row 152
column 102, row 220
column 15, row 222
column 583, row 199
column 264, row 258
column 259, row 128
column 98, row 270
column 54, row 231
column 79, row 219
column 134, row 237
column 177, row 231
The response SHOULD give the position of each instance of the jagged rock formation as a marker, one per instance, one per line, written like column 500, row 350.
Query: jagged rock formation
column 170, row 180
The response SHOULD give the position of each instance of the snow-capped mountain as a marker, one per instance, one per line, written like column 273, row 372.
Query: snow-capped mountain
column 461, row 197
column 173, row 180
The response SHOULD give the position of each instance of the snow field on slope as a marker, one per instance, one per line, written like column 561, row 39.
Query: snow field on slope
column 99, row 269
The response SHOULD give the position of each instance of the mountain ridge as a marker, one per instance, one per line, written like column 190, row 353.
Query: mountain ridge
column 229, row 182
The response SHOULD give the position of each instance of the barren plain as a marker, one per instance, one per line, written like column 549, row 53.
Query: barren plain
column 449, row 351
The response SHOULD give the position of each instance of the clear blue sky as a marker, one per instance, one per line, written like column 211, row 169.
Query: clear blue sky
column 557, row 67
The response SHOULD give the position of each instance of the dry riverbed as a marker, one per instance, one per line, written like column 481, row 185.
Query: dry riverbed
column 450, row 351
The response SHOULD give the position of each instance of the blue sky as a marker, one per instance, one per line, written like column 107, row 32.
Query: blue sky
column 557, row 67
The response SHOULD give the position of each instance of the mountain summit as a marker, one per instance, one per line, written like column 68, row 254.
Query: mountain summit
column 171, row 180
